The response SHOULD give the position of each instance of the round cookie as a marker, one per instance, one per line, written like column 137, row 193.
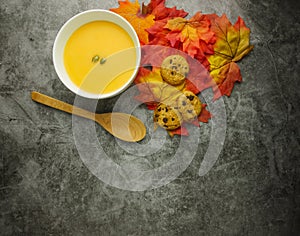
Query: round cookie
column 167, row 117
column 189, row 106
column 174, row 69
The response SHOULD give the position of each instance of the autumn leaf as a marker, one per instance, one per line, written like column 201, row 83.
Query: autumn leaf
column 131, row 11
column 198, row 78
column 157, row 33
column 205, row 115
column 145, row 95
column 190, row 33
column 182, row 130
column 153, row 89
column 198, row 46
column 155, row 54
column 161, row 12
column 158, row 36
column 232, row 45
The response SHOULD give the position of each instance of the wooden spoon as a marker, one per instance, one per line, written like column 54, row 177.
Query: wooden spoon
column 128, row 127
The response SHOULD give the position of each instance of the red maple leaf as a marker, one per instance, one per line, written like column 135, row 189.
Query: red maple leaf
column 205, row 115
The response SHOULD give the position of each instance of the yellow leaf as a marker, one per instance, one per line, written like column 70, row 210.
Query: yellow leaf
column 162, row 91
column 131, row 12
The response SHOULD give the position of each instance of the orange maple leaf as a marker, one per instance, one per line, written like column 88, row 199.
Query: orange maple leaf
column 232, row 44
column 189, row 33
column 131, row 11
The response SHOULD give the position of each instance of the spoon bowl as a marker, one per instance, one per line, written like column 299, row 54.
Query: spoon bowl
column 121, row 125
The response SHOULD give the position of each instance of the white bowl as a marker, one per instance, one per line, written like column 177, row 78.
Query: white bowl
column 72, row 25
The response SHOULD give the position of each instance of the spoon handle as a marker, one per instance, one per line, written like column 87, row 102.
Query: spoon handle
column 54, row 103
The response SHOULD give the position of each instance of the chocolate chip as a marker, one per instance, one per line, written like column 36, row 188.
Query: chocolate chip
column 190, row 111
column 171, row 61
column 167, row 109
column 173, row 73
column 159, row 109
column 165, row 120
column 190, row 97
column 173, row 118
column 183, row 103
column 156, row 115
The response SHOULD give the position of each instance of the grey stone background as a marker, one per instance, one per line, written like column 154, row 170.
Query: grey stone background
column 253, row 189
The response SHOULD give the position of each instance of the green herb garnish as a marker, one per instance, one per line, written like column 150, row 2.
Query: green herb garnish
column 95, row 59
column 102, row 61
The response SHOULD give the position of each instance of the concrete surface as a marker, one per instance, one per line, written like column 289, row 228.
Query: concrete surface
column 253, row 189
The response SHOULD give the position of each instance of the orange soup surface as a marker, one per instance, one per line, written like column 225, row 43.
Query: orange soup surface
column 100, row 57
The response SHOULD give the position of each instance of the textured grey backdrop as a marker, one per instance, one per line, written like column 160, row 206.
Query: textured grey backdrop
column 253, row 189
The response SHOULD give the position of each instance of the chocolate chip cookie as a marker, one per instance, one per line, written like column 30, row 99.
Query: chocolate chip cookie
column 174, row 69
column 167, row 117
column 189, row 106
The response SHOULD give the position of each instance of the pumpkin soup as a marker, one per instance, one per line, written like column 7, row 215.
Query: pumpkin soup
column 100, row 57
